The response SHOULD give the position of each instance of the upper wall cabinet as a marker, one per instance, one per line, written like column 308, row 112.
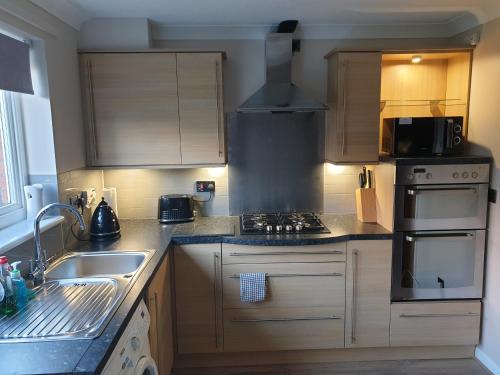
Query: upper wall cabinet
column 153, row 108
column 199, row 77
column 354, row 101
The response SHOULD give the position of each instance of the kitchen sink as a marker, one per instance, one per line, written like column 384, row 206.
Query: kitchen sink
column 74, row 265
column 81, row 293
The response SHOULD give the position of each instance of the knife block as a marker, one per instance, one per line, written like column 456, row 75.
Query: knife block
column 366, row 205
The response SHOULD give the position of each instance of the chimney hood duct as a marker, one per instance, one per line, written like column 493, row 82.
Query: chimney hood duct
column 279, row 94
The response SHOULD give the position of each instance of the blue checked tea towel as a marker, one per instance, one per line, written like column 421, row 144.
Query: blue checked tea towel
column 252, row 287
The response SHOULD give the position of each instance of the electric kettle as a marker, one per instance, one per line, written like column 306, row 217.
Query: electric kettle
column 104, row 224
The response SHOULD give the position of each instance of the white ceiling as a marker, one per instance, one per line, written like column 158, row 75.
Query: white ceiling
column 315, row 13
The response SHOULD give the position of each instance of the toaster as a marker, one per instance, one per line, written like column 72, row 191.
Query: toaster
column 175, row 208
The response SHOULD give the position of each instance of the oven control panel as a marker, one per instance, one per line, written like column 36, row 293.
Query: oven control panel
column 443, row 174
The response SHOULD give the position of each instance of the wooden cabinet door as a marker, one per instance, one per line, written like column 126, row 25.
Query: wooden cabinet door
column 159, row 298
column 368, row 293
column 131, row 108
column 200, row 107
column 198, row 296
column 354, row 100
column 435, row 323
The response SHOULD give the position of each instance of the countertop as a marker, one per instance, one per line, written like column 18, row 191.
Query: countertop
column 342, row 228
column 89, row 356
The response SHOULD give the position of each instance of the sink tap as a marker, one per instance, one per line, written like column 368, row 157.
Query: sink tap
column 40, row 263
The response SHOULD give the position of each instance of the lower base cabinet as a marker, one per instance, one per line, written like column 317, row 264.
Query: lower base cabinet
column 198, row 298
column 368, row 293
column 325, row 296
column 283, row 329
column 159, row 302
column 435, row 323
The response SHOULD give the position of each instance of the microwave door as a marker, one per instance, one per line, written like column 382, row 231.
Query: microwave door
column 430, row 207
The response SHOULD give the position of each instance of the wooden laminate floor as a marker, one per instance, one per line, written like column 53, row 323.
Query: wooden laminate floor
column 413, row 367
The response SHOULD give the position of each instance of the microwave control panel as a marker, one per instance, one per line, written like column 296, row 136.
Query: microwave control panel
column 443, row 174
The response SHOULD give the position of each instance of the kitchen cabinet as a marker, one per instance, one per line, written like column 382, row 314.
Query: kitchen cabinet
column 130, row 108
column 353, row 95
column 277, row 329
column 435, row 323
column 305, row 298
column 198, row 298
column 368, row 293
column 199, row 77
column 159, row 301
column 153, row 108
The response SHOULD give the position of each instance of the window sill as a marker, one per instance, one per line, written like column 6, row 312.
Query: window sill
column 16, row 234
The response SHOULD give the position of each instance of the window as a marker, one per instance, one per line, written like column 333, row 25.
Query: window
column 12, row 165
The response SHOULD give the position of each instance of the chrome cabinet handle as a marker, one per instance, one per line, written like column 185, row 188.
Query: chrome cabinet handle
column 332, row 317
column 236, row 254
column 436, row 315
column 153, row 301
column 92, row 120
column 293, row 275
column 216, row 300
column 415, row 237
column 344, row 105
column 218, row 107
column 355, row 255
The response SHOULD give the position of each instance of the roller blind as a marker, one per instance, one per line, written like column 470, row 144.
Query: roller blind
column 15, row 74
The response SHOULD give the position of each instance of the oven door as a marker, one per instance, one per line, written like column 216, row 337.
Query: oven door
column 438, row 265
column 441, row 207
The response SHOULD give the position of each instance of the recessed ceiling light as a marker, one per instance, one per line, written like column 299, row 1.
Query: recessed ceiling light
column 415, row 59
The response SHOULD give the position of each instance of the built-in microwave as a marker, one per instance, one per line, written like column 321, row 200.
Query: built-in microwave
column 434, row 265
column 422, row 136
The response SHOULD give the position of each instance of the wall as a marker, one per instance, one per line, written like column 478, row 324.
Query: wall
column 60, row 42
column 483, row 134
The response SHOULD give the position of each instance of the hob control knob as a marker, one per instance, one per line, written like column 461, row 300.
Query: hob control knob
column 411, row 176
column 279, row 228
column 288, row 228
column 298, row 227
column 428, row 175
column 475, row 175
column 456, row 175
column 269, row 228
column 135, row 343
column 465, row 175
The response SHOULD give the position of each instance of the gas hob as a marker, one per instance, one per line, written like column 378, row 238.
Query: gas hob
column 282, row 223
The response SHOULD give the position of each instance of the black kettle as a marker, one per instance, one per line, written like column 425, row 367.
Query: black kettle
column 104, row 225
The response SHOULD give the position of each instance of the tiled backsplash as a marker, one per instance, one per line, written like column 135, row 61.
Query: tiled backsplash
column 138, row 189
column 340, row 185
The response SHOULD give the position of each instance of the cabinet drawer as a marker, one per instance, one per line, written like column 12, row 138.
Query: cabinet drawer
column 435, row 323
column 241, row 254
column 283, row 329
column 289, row 285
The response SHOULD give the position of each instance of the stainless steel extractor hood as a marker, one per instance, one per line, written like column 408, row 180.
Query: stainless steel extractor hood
column 279, row 94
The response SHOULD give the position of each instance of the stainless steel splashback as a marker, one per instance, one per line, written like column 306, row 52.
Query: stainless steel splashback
column 276, row 162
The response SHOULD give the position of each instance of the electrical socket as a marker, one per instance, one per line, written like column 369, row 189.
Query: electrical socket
column 205, row 186
column 81, row 198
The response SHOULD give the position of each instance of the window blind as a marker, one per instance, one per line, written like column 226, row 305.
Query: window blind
column 15, row 74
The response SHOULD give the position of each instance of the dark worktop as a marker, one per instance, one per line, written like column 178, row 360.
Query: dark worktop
column 89, row 356
column 342, row 228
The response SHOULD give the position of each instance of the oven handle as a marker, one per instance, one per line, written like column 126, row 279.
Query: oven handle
column 415, row 191
column 414, row 237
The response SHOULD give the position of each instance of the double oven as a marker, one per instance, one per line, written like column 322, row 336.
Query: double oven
column 440, row 218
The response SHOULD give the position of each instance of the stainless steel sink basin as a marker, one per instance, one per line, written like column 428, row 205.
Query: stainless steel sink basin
column 81, row 293
column 96, row 264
